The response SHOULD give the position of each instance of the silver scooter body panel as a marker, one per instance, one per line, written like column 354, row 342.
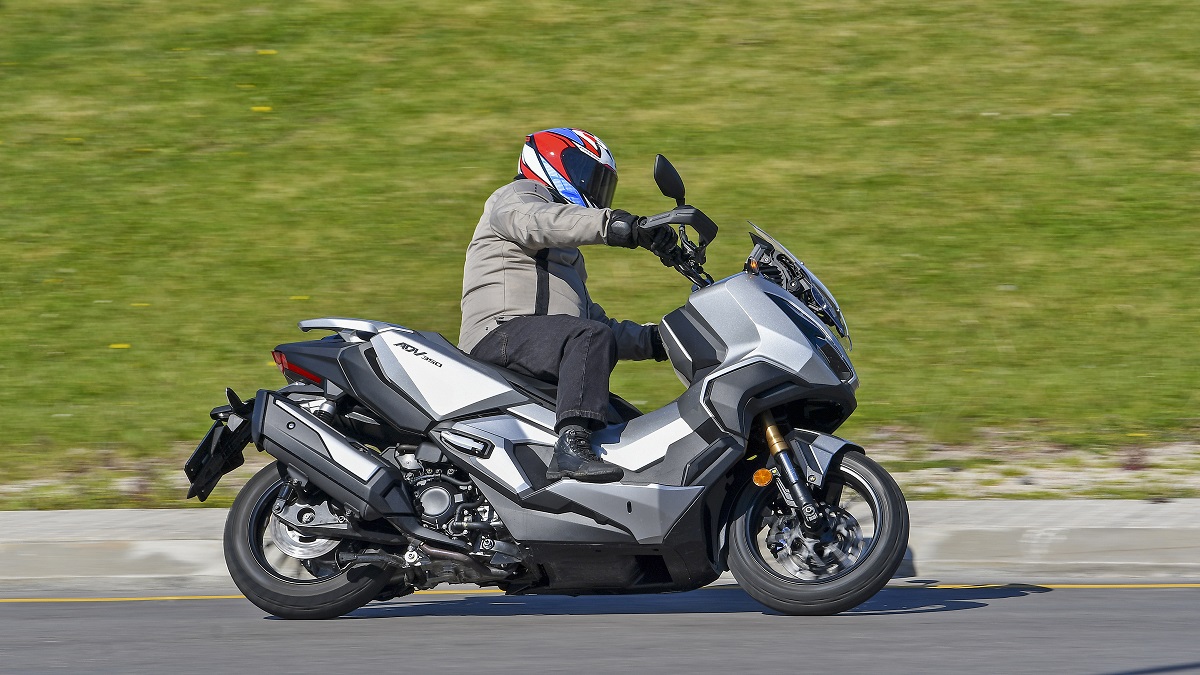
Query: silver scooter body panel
column 504, row 437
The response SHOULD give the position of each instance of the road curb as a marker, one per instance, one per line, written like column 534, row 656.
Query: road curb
column 1046, row 538
column 1084, row 537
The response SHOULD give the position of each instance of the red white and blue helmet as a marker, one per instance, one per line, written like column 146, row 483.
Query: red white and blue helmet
column 574, row 165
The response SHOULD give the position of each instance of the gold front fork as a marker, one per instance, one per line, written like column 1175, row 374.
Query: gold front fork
column 775, row 442
column 792, row 484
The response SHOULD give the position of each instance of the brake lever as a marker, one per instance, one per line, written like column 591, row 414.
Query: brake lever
column 674, row 257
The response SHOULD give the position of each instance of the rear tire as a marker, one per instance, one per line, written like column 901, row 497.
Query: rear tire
column 828, row 592
column 341, row 591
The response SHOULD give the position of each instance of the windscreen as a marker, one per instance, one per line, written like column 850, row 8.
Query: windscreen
column 813, row 292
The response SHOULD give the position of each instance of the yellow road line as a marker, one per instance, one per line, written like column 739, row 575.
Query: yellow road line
column 151, row 598
column 1055, row 586
column 492, row 591
column 160, row 598
column 1123, row 586
column 448, row 591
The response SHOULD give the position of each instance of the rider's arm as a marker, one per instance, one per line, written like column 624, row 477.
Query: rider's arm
column 527, row 216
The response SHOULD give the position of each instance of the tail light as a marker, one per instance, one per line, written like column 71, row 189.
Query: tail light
column 286, row 367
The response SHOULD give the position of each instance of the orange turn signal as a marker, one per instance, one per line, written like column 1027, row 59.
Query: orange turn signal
column 763, row 477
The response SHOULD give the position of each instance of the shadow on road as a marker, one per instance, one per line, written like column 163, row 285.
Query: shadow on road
column 926, row 599
column 706, row 601
column 728, row 600
column 1178, row 668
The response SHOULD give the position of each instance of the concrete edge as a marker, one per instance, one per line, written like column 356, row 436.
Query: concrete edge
column 1067, row 538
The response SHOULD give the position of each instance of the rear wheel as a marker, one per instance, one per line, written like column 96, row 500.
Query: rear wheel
column 795, row 572
column 283, row 572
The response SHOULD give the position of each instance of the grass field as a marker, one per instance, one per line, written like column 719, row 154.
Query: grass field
column 1003, row 196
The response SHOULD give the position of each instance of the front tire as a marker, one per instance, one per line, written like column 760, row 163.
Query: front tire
column 289, row 588
column 793, row 575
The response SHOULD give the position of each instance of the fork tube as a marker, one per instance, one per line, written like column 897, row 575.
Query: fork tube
column 798, row 490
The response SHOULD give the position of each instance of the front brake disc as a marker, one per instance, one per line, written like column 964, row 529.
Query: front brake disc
column 810, row 559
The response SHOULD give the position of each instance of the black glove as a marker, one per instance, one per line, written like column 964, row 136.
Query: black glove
column 656, row 343
column 661, row 239
column 621, row 227
column 630, row 231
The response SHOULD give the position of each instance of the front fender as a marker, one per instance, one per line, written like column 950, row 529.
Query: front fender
column 815, row 452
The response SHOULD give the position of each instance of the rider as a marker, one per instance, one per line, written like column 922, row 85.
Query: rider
column 525, row 306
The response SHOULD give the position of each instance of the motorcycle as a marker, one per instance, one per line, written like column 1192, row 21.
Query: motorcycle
column 401, row 463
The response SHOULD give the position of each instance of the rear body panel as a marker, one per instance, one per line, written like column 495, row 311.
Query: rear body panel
column 439, row 378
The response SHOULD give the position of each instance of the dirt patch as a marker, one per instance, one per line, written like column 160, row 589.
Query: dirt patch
column 1020, row 470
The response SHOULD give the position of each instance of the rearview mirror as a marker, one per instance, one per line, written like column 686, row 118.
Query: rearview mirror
column 668, row 180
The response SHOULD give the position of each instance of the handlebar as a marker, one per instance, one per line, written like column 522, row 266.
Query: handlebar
column 705, row 228
column 688, row 259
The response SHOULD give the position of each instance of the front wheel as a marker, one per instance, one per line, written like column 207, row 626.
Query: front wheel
column 795, row 572
column 283, row 572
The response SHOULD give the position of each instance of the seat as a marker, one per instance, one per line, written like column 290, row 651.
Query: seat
column 619, row 410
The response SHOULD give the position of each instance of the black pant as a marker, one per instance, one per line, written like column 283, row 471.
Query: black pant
column 577, row 354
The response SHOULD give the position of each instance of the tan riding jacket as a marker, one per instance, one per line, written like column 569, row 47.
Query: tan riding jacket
column 524, row 260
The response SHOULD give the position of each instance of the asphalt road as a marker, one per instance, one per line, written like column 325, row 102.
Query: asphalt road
column 996, row 629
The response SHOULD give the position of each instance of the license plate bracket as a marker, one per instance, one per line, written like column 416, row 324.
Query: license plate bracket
column 219, row 453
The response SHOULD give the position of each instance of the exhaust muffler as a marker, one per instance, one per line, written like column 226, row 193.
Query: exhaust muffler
column 349, row 473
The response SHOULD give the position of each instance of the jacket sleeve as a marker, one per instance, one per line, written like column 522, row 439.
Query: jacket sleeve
column 528, row 218
column 635, row 341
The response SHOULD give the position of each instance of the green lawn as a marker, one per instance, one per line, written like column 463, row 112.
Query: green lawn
column 1003, row 196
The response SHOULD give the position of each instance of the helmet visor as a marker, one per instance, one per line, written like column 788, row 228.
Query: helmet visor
column 593, row 179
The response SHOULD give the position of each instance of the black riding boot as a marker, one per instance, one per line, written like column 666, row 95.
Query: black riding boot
column 574, row 458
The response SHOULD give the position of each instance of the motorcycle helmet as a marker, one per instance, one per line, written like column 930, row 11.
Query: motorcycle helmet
column 574, row 165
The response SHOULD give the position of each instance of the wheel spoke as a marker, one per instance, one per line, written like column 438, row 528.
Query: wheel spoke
column 292, row 568
column 274, row 557
column 837, row 553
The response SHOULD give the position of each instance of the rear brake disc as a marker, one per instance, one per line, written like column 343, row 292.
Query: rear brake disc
column 297, row 545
